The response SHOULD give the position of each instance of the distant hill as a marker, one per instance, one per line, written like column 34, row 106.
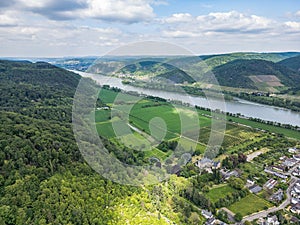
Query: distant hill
column 158, row 71
column 216, row 60
column 260, row 71
column 292, row 63
column 242, row 73
column 177, row 76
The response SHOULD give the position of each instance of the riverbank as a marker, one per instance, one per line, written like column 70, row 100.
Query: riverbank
column 248, row 109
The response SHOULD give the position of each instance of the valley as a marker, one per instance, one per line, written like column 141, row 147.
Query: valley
column 227, row 183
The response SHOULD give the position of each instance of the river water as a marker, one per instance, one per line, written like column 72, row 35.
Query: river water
column 246, row 108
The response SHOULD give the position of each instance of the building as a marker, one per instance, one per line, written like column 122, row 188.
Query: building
column 204, row 163
column 277, row 196
column 255, row 189
column 280, row 175
column 270, row 184
column 297, row 188
column 289, row 162
column 250, row 182
column 207, row 214
column 294, row 201
column 297, row 157
column 210, row 221
column 295, row 208
column 292, row 150
column 294, row 220
column 269, row 170
column 273, row 220
column 227, row 174
column 278, row 168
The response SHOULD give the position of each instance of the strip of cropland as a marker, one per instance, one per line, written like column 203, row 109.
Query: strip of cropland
column 143, row 112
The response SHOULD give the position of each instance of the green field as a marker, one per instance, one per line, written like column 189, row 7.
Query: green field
column 270, row 128
column 250, row 204
column 102, row 115
column 218, row 192
column 274, row 129
column 135, row 141
column 175, row 123
column 157, row 154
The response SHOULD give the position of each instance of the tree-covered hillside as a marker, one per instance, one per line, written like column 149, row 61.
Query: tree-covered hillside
column 236, row 73
column 43, row 177
column 217, row 60
column 158, row 71
column 292, row 63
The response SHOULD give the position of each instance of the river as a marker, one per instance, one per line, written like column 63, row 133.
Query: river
column 246, row 108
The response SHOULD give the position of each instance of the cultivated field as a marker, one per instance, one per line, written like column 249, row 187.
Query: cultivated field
column 152, row 121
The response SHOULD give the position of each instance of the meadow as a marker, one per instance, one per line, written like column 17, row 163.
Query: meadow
column 249, row 204
column 218, row 192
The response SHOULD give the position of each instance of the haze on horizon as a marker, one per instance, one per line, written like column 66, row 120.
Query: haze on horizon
column 51, row 28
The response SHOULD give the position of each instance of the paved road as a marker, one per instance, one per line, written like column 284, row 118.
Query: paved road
column 284, row 204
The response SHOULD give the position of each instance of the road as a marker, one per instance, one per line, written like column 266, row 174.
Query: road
column 284, row 204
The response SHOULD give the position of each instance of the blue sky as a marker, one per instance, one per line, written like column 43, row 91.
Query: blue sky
column 50, row 28
column 269, row 8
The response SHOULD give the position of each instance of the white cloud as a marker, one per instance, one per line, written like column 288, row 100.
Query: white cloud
column 8, row 19
column 233, row 22
column 86, row 27
column 33, row 3
column 119, row 10
column 61, row 40
column 292, row 26
column 297, row 13
column 218, row 23
column 179, row 18
column 126, row 11
column 179, row 34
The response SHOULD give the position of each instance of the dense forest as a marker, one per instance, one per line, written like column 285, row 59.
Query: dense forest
column 43, row 177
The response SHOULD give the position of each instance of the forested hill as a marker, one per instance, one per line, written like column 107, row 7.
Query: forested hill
column 43, row 177
column 38, row 90
column 292, row 63
column 158, row 70
column 236, row 73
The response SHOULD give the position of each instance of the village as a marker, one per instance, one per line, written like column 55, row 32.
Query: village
column 286, row 172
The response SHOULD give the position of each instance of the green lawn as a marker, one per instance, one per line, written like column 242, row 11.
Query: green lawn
column 250, row 204
column 218, row 192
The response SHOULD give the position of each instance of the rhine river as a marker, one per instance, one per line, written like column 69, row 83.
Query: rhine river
column 246, row 108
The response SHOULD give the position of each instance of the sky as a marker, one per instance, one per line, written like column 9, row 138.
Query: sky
column 60, row 28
